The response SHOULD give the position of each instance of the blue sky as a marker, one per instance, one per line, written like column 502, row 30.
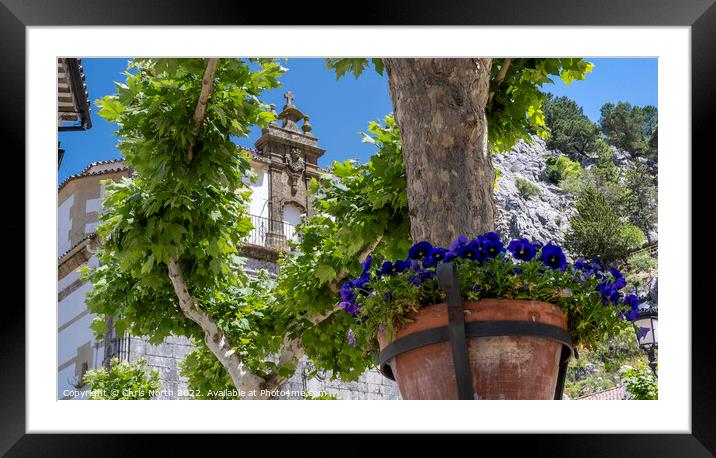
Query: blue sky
column 339, row 109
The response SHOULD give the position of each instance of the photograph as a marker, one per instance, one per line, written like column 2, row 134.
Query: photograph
column 425, row 204
column 363, row 228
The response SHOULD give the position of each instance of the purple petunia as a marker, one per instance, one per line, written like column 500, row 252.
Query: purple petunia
column 392, row 268
column 351, row 338
column 459, row 242
column 553, row 256
column 366, row 264
column 522, row 249
column 490, row 245
column 347, row 293
column 633, row 303
column 619, row 280
column 470, row 251
column 435, row 256
column 419, row 250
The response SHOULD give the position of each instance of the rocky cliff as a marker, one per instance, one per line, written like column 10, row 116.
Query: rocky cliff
column 545, row 216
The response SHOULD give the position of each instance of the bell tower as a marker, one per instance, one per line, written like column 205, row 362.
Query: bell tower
column 293, row 152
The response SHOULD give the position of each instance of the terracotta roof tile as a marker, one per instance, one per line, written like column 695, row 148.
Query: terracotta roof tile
column 613, row 394
column 86, row 171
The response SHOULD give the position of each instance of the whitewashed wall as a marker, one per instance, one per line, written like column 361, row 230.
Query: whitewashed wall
column 292, row 216
column 260, row 191
column 64, row 224
column 73, row 324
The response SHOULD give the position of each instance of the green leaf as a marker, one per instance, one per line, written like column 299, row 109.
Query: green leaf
column 325, row 273
column 110, row 108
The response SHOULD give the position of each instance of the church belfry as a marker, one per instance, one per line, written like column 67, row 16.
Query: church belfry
column 293, row 152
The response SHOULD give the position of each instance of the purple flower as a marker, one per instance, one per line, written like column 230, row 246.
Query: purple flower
column 632, row 302
column 581, row 264
column 352, row 309
column 459, row 242
column 610, row 293
column 366, row 264
column 351, row 338
column 422, row 277
column 347, row 293
column 553, row 256
column 619, row 280
column 598, row 266
column 434, row 257
column 401, row 265
column 469, row 252
column 490, row 245
column 344, row 304
column 362, row 285
column 522, row 249
column 419, row 250
column 388, row 268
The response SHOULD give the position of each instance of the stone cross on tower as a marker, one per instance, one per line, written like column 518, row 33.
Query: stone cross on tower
column 293, row 154
column 289, row 98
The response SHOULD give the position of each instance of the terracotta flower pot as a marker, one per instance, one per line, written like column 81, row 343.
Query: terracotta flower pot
column 503, row 367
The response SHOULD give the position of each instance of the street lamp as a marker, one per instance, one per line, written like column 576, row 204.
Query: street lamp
column 647, row 334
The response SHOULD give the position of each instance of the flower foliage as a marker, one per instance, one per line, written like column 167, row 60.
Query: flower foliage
column 588, row 293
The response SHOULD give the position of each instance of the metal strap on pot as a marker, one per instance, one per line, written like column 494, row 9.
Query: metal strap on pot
column 457, row 331
column 447, row 280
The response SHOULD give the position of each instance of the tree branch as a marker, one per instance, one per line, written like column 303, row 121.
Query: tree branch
column 206, row 87
column 292, row 349
column 333, row 286
column 500, row 76
column 214, row 338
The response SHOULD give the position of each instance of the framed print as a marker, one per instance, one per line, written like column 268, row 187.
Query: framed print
column 145, row 309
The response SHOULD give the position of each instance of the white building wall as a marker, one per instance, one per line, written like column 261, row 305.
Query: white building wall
column 260, row 191
column 292, row 216
column 64, row 225
column 73, row 324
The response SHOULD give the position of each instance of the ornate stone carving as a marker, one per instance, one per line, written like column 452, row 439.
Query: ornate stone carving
column 296, row 167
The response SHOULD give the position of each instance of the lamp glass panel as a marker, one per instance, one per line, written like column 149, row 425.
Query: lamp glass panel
column 645, row 322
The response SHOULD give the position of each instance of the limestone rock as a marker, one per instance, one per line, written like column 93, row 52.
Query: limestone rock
column 543, row 217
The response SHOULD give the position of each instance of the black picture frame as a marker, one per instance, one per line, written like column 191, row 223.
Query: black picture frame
column 700, row 15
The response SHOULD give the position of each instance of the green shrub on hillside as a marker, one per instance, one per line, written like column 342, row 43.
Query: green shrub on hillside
column 527, row 188
column 562, row 168
column 633, row 236
column 597, row 231
column 642, row 262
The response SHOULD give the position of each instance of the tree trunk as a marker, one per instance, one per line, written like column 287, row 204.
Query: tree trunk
column 440, row 110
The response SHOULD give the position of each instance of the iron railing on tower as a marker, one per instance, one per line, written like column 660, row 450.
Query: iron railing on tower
column 270, row 233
